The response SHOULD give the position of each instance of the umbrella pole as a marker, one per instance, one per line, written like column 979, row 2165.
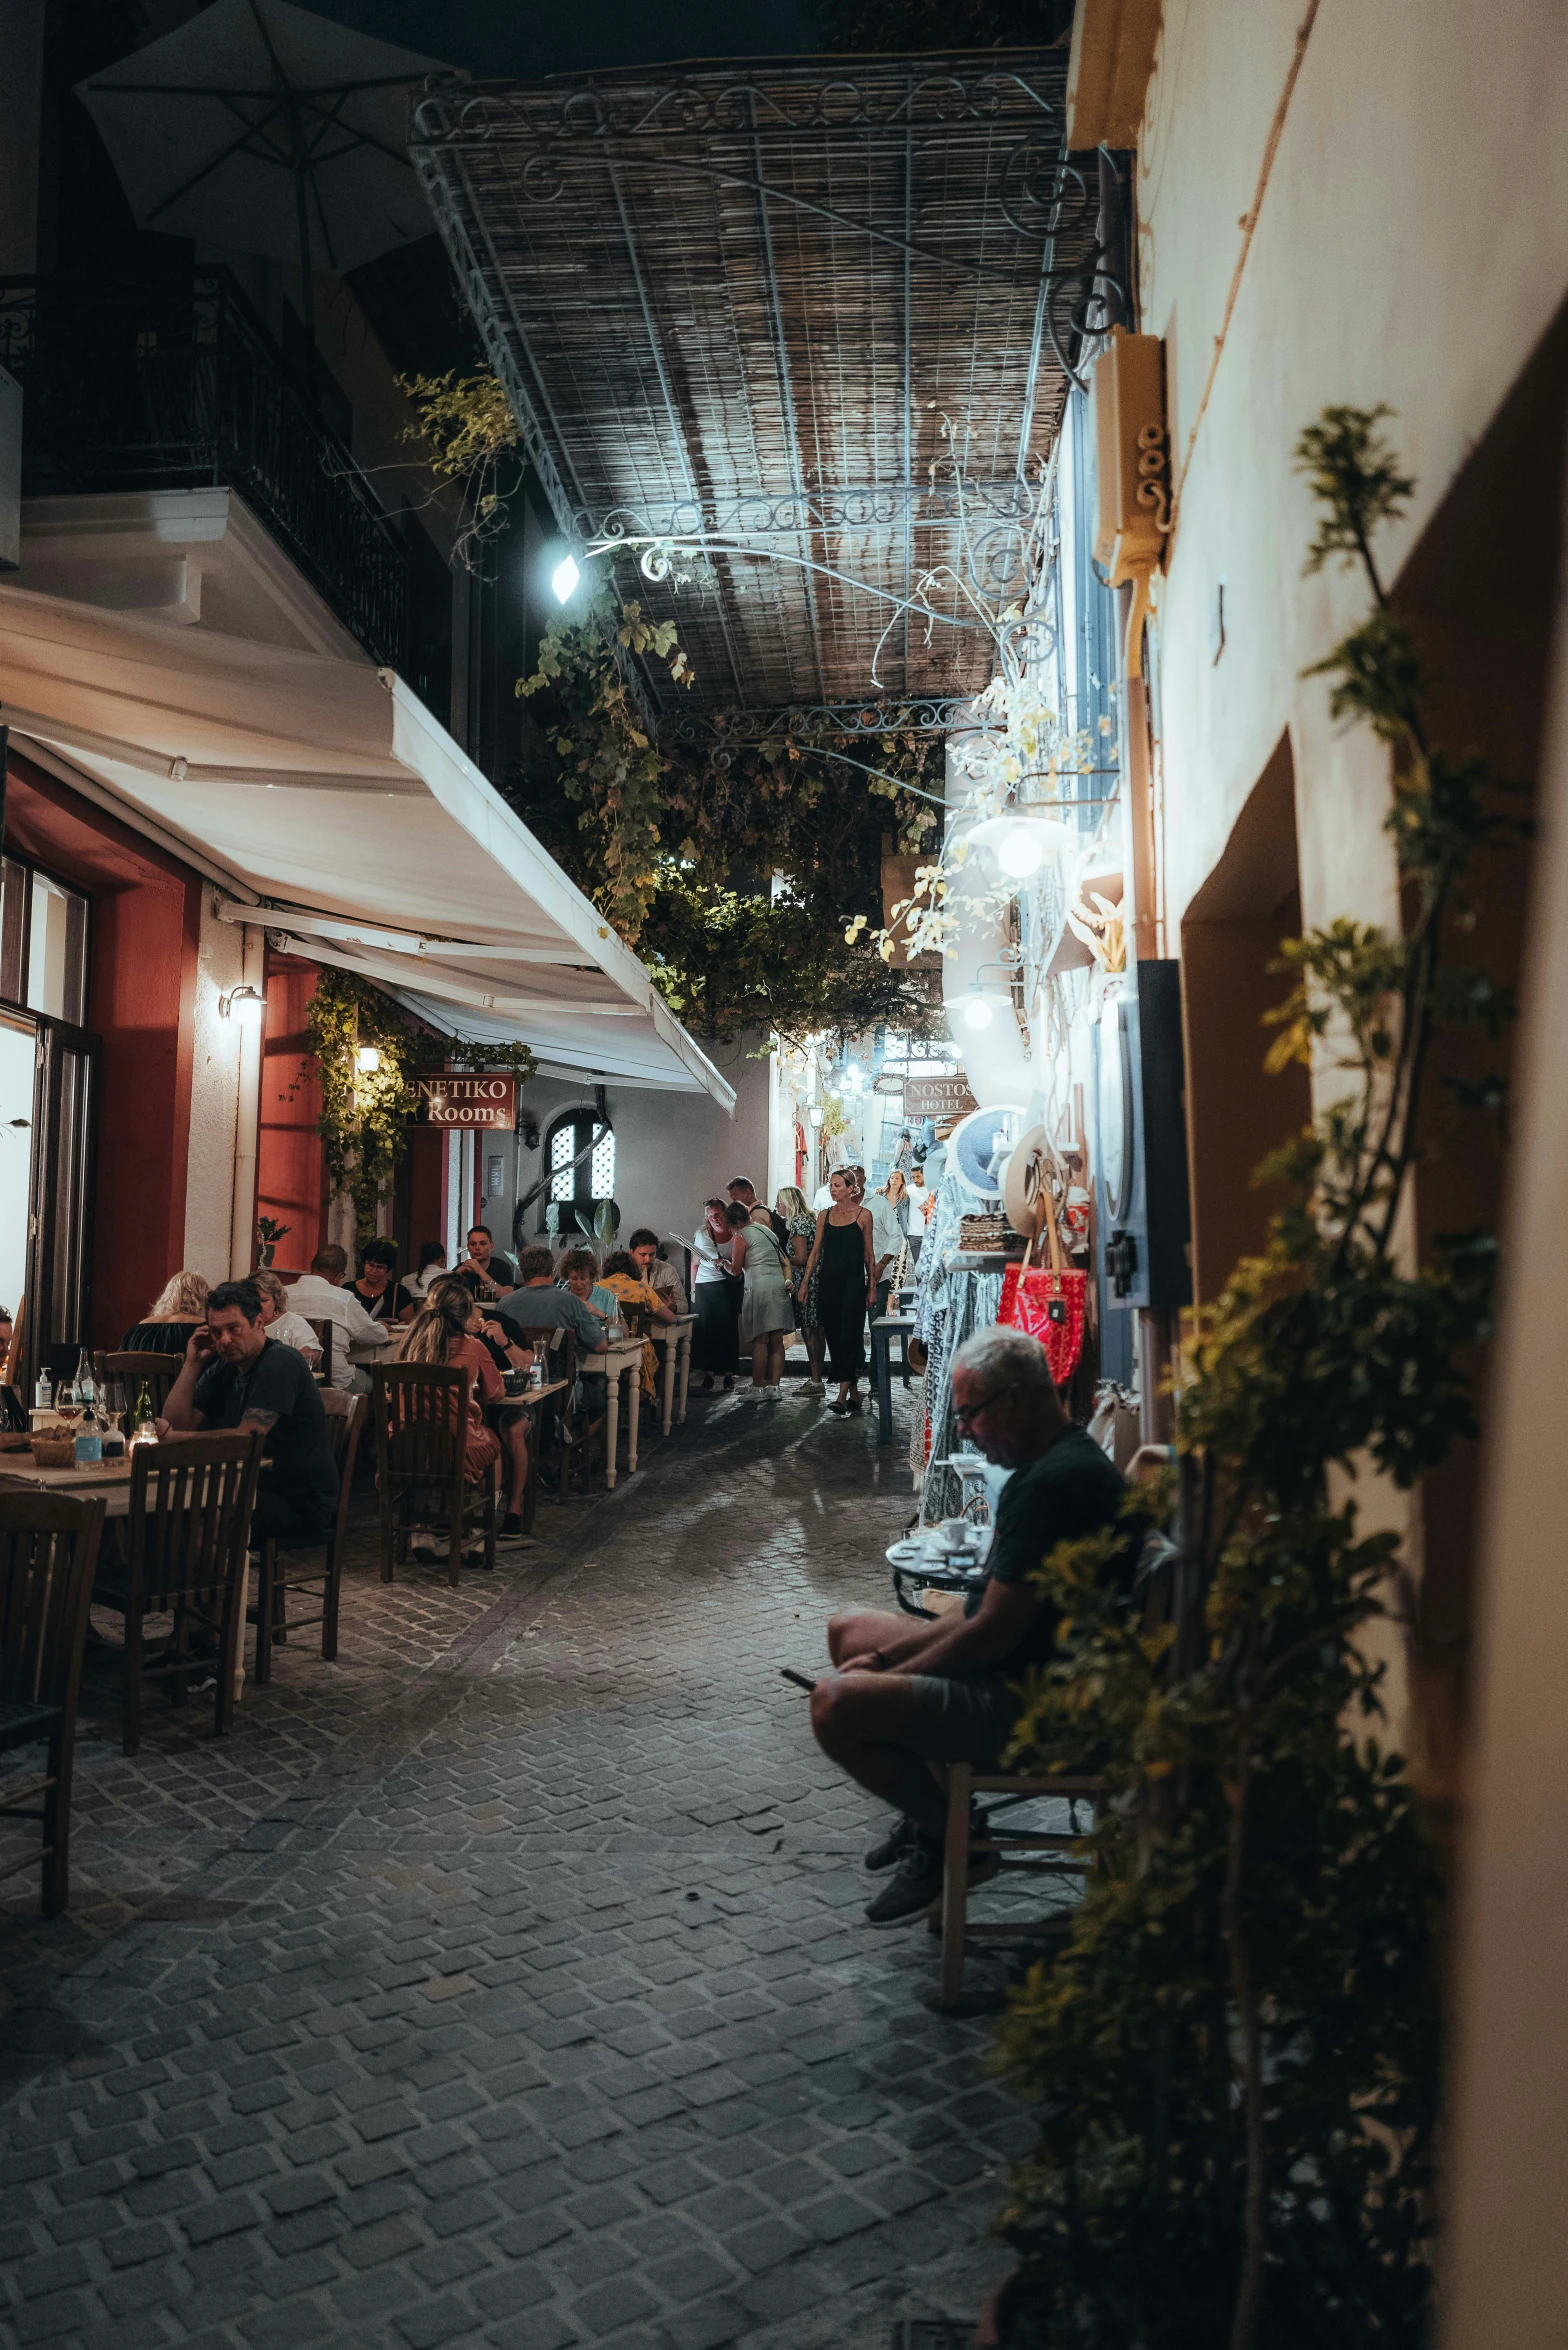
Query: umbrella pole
column 307, row 283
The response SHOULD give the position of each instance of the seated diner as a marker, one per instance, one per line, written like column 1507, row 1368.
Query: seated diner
column 374, row 1286
column 320, row 1296
column 446, row 1331
column 282, row 1323
column 904, row 1695
column 175, row 1314
column 235, row 1376
column 507, row 1416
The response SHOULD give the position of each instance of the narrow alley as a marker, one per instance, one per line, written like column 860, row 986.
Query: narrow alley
column 505, row 1981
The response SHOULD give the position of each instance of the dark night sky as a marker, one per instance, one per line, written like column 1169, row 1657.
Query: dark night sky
column 504, row 38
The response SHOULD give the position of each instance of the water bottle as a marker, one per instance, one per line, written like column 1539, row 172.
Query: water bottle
column 43, row 1393
column 89, row 1440
column 536, row 1372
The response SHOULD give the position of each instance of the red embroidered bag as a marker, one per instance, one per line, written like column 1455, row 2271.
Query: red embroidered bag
column 1049, row 1302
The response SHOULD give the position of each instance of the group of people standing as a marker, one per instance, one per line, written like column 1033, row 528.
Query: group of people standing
column 760, row 1273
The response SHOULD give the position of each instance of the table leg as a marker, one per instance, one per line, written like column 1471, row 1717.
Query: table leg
column 882, row 1359
column 633, row 1414
column 672, row 1347
column 612, row 1427
column 686, row 1339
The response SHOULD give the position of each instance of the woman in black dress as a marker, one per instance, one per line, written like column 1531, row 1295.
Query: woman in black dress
column 842, row 1262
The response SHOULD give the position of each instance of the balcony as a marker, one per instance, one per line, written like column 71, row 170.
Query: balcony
column 176, row 384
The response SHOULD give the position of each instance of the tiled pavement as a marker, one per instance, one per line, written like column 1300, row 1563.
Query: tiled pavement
column 504, row 1982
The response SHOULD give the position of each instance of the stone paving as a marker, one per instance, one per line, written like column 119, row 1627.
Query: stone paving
column 504, row 1982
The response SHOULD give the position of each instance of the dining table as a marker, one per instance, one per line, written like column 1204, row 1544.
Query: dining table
column 674, row 1341
column 112, row 1479
column 622, row 1360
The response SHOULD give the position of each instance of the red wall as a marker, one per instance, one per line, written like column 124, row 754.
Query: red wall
column 290, row 1182
column 145, row 930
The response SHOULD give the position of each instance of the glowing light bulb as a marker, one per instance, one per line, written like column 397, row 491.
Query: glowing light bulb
column 977, row 1013
column 1021, row 852
column 564, row 579
column 368, row 1060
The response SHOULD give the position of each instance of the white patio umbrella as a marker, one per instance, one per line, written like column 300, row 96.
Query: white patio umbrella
column 262, row 126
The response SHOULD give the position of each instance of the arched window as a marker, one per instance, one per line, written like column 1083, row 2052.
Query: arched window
column 579, row 1152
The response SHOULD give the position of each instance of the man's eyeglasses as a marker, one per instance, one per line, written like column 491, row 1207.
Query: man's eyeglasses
column 966, row 1413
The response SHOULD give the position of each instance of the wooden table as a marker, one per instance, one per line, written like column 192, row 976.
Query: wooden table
column 110, row 1478
column 676, row 1339
column 884, row 1330
column 616, row 1362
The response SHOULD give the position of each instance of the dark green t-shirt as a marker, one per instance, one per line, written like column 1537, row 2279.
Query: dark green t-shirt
column 1071, row 1490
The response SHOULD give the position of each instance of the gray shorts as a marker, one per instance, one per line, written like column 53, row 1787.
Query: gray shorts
column 967, row 1720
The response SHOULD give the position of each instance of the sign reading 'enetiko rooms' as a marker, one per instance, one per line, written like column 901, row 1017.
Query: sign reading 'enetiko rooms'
column 469, row 1101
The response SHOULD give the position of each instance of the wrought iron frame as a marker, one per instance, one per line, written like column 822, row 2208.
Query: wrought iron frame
column 965, row 177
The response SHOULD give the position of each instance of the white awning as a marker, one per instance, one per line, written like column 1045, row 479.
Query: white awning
column 324, row 789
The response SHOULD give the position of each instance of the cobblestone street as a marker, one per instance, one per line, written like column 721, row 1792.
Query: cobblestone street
column 505, row 1981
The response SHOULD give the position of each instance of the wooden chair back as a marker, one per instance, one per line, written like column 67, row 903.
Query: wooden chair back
column 421, row 1418
column 345, row 1418
column 189, row 1526
column 132, row 1368
column 48, row 1555
column 325, row 1331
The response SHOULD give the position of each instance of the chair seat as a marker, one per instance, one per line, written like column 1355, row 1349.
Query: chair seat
column 23, row 1724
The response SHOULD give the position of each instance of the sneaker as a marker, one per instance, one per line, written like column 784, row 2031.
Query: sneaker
column 511, row 1528
column 916, row 1886
column 892, row 1846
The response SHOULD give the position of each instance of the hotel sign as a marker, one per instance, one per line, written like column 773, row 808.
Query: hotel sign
column 469, row 1101
column 938, row 1097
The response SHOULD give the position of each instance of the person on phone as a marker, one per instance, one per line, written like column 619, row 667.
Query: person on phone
column 906, row 1695
column 235, row 1376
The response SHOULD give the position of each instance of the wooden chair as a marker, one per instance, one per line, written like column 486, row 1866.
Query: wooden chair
column 276, row 1580
column 571, row 1418
column 133, row 1369
column 421, row 1420
column 325, row 1333
column 48, row 1555
column 964, row 1782
column 186, row 1547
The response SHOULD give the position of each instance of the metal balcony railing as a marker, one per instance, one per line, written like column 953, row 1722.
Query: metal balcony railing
column 175, row 383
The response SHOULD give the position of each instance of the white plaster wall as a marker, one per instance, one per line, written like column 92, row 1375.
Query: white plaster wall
column 209, row 1182
column 673, row 1150
column 1411, row 248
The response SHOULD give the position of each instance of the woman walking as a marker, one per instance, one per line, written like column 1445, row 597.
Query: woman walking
column 715, row 1342
column 800, row 1230
column 764, row 1313
column 841, row 1261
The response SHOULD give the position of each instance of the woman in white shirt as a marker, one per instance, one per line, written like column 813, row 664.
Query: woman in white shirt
column 715, row 1343
column 281, row 1323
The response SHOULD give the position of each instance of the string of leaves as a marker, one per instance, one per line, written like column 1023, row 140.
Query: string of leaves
column 366, row 1114
column 1237, row 2054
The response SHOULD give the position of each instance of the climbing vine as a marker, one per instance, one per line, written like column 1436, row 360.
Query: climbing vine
column 1237, row 2054
column 730, row 865
column 366, row 1113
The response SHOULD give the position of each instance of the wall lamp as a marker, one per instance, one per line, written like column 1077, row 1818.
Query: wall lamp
column 245, row 1004
column 367, row 1060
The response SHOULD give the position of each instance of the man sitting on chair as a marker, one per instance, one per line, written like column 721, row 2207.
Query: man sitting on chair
column 905, row 1694
column 235, row 1376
